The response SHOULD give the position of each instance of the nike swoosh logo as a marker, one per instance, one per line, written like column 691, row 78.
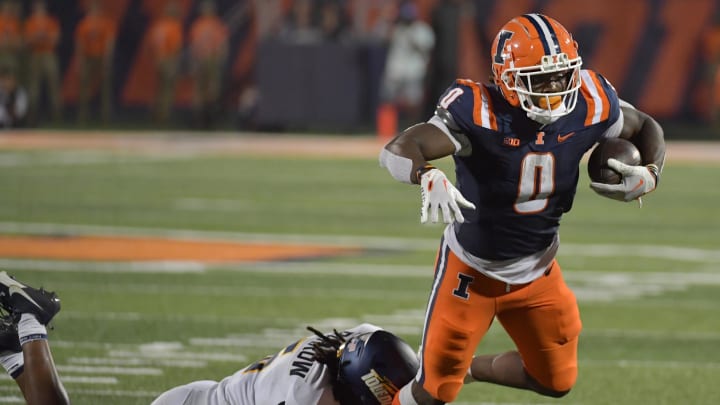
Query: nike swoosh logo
column 638, row 185
column 563, row 138
column 13, row 289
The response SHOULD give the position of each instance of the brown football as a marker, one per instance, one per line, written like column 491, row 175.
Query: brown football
column 617, row 148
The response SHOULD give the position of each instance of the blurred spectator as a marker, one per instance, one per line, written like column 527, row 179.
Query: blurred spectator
column 403, row 88
column 13, row 100
column 299, row 26
column 443, row 69
column 269, row 16
column 333, row 22
column 247, row 103
column 373, row 19
column 711, row 75
column 209, row 49
column 166, row 42
column 10, row 36
column 383, row 23
column 42, row 32
column 95, row 45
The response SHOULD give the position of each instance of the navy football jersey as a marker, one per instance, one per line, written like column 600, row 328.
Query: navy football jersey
column 521, row 175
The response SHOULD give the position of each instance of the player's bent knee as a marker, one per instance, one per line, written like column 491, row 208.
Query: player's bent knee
column 445, row 389
column 447, row 392
column 558, row 385
column 551, row 392
column 442, row 393
column 559, row 394
column 564, row 382
column 447, row 364
column 423, row 397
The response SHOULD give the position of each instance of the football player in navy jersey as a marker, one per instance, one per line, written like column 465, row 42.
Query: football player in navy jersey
column 517, row 145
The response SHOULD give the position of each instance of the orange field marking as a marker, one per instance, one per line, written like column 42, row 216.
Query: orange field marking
column 101, row 248
column 256, row 144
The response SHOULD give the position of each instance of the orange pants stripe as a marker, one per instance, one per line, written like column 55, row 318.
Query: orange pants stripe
column 541, row 317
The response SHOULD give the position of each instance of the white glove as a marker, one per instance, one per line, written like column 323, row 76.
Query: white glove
column 636, row 182
column 439, row 193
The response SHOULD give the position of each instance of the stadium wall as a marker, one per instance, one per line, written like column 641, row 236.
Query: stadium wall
column 653, row 51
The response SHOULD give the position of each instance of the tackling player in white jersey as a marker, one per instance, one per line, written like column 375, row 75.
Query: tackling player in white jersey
column 365, row 365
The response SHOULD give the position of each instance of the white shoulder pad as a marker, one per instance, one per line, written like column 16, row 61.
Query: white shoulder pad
column 625, row 104
column 615, row 129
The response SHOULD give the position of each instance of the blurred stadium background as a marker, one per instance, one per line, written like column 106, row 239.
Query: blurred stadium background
column 187, row 240
column 281, row 71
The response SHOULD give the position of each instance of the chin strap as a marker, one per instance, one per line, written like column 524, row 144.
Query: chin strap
column 539, row 115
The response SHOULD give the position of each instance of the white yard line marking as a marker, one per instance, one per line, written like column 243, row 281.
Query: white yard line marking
column 117, row 393
column 219, row 357
column 109, row 370
column 654, row 335
column 589, row 286
column 11, row 399
column 79, row 158
column 89, row 380
column 174, row 267
column 383, row 243
column 79, row 379
column 625, row 363
column 236, row 291
column 650, row 251
column 103, row 361
column 204, row 204
column 176, row 317
column 182, row 234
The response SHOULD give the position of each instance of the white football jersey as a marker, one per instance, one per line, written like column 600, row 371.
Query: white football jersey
column 290, row 377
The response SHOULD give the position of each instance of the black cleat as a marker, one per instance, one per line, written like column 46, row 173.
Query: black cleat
column 5, row 281
column 18, row 298
column 9, row 341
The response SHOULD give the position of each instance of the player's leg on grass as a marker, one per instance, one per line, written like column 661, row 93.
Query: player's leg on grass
column 458, row 316
column 544, row 322
column 30, row 311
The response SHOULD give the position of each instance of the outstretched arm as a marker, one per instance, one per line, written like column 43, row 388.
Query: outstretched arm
column 406, row 158
column 411, row 151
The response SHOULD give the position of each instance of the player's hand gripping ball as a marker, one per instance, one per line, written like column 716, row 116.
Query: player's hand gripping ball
column 615, row 170
column 616, row 148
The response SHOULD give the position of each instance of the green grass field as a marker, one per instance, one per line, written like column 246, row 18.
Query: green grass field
column 647, row 279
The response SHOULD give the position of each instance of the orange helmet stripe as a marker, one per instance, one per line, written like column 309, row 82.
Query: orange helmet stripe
column 483, row 114
column 597, row 99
